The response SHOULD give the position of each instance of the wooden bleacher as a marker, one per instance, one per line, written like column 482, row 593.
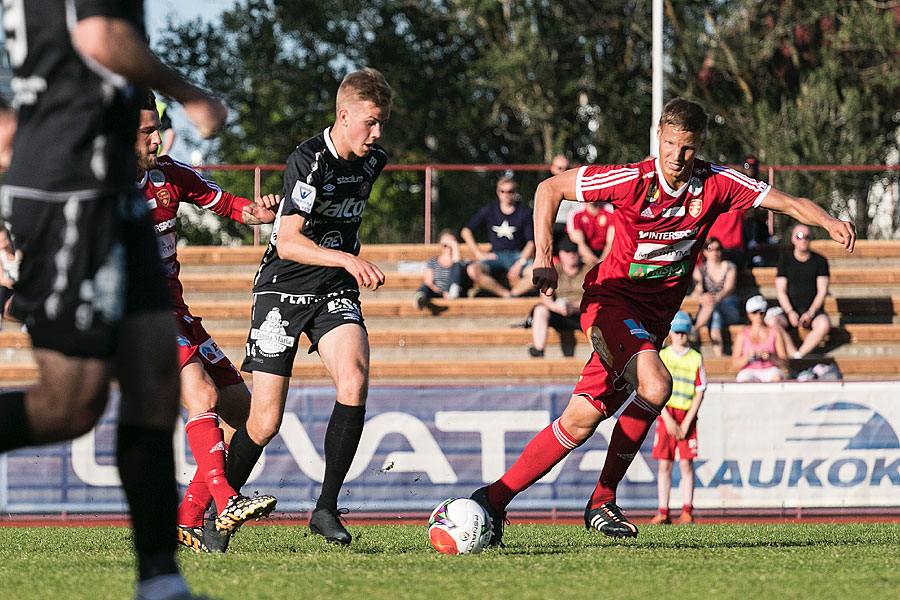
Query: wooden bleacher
column 472, row 339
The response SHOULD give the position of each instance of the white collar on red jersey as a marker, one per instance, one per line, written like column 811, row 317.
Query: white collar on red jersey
column 665, row 186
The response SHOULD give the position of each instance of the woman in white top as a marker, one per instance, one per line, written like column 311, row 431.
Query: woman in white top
column 714, row 283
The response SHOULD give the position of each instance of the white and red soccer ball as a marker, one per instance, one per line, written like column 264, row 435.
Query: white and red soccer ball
column 459, row 526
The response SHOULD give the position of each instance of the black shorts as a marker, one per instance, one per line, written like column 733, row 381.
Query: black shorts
column 87, row 261
column 279, row 318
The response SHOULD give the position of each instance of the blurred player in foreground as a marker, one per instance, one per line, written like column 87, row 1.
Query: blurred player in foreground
column 91, row 288
column 210, row 385
column 309, row 282
column 664, row 209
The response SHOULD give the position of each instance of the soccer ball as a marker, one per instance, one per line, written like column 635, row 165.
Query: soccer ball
column 459, row 526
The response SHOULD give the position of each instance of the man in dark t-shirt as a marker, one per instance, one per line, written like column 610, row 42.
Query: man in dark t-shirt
column 802, row 285
column 511, row 234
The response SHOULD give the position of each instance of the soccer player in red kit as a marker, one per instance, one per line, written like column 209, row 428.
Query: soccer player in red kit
column 664, row 209
column 211, row 387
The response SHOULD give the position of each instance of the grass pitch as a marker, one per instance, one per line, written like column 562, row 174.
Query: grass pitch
column 541, row 562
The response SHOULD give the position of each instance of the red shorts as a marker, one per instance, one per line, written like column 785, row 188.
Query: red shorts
column 664, row 444
column 194, row 341
column 616, row 334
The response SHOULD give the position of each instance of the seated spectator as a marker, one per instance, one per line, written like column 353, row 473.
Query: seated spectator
column 756, row 220
column 9, row 271
column 560, row 164
column 592, row 231
column 728, row 228
column 561, row 312
column 444, row 274
column 714, row 282
column 775, row 318
column 759, row 350
column 510, row 230
column 801, row 283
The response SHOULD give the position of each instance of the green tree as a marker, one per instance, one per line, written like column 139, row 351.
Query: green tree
column 797, row 83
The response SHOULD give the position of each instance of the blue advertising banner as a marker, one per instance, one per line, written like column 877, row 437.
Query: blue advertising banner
column 833, row 444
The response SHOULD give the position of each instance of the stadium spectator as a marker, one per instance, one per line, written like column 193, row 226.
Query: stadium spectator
column 166, row 131
column 676, row 427
column 309, row 283
column 592, row 231
column 509, row 227
column 560, row 311
column 775, row 318
column 560, row 164
column 801, row 283
column 728, row 228
column 94, row 299
column 714, row 283
column 211, row 388
column 445, row 274
column 757, row 227
column 9, row 271
column 759, row 349
column 631, row 297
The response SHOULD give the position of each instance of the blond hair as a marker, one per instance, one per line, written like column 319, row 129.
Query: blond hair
column 366, row 85
column 685, row 115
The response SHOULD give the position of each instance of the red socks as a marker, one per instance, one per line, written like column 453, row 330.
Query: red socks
column 208, row 447
column 541, row 454
column 195, row 502
column 625, row 442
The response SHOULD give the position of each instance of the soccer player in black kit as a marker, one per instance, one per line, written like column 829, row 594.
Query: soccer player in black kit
column 91, row 287
column 309, row 282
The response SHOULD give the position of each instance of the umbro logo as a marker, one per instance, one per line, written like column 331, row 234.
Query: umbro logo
column 328, row 187
column 647, row 213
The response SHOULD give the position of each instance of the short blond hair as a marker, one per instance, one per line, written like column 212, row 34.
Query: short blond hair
column 506, row 179
column 368, row 84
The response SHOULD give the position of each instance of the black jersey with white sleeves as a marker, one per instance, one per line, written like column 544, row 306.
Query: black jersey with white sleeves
column 76, row 119
column 330, row 193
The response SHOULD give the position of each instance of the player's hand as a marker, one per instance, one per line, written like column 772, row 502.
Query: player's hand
column 207, row 113
column 367, row 274
column 545, row 279
column 268, row 201
column 843, row 232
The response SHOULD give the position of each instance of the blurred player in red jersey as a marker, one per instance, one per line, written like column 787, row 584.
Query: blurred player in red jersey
column 664, row 209
column 592, row 231
column 211, row 387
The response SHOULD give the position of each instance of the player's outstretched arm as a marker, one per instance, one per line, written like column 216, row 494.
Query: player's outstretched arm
column 293, row 245
column 116, row 45
column 262, row 210
column 810, row 213
column 550, row 193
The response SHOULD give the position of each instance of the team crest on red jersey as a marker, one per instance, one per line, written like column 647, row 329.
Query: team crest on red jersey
column 652, row 193
column 695, row 206
column 164, row 197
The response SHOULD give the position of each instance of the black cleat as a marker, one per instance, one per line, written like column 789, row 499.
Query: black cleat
column 609, row 520
column 192, row 537
column 497, row 520
column 214, row 540
column 241, row 509
column 327, row 522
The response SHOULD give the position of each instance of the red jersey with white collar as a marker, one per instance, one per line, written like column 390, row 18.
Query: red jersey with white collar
column 659, row 231
column 165, row 187
column 594, row 227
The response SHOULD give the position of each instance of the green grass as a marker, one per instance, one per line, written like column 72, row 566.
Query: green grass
column 751, row 562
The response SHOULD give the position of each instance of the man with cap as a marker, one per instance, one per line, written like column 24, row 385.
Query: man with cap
column 676, row 427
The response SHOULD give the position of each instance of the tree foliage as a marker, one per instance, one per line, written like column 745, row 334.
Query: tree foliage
column 516, row 81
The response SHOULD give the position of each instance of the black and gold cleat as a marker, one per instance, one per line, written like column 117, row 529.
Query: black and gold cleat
column 192, row 537
column 241, row 509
